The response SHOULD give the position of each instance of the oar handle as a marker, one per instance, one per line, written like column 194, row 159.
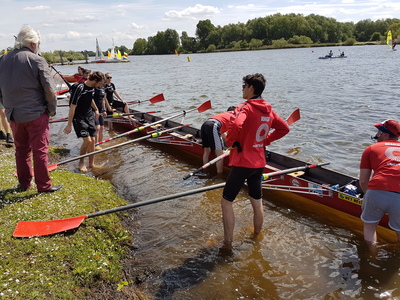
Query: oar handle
column 160, row 199
column 213, row 161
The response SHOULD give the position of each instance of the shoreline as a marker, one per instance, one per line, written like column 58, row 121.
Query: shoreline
column 86, row 263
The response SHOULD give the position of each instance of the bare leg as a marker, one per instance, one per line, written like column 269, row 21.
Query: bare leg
column 84, row 150
column 370, row 232
column 258, row 217
column 92, row 141
column 206, row 155
column 219, row 164
column 228, row 219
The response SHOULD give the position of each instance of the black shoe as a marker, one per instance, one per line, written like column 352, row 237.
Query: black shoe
column 18, row 188
column 2, row 135
column 54, row 188
column 9, row 139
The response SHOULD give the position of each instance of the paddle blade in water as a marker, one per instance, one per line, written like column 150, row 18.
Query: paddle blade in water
column 205, row 106
column 294, row 116
column 41, row 228
column 157, row 98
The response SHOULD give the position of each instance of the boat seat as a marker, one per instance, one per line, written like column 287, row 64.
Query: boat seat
column 297, row 174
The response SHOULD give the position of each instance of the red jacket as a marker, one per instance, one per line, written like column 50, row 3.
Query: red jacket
column 250, row 126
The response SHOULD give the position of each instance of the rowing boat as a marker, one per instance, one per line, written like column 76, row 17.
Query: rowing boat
column 324, row 186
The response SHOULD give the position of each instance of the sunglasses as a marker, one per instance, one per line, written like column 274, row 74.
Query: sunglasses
column 109, row 77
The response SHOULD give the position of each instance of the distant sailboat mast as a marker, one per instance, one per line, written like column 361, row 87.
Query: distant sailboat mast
column 99, row 53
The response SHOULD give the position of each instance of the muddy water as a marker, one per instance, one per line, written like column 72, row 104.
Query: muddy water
column 305, row 252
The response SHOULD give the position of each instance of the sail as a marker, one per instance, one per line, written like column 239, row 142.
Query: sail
column 389, row 40
column 125, row 56
column 99, row 53
column 119, row 56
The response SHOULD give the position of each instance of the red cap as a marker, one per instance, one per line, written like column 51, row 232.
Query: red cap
column 389, row 126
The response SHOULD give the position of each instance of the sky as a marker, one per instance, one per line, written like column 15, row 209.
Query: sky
column 75, row 25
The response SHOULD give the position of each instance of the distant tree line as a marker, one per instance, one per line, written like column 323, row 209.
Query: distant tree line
column 276, row 30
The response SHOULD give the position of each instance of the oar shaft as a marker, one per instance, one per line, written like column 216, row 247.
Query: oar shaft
column 192, row 192
column 160, row 199
column 154, row 134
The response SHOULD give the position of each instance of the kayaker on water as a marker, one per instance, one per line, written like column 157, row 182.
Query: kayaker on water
column 382, row 189
column 249, row 134
column 212, row 132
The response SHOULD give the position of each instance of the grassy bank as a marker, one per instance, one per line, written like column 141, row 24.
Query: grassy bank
column 85, row 264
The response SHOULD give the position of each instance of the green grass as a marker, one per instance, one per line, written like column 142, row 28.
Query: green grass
column 66, row 265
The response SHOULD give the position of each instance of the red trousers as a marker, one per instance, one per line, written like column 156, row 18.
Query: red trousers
column 32, row 137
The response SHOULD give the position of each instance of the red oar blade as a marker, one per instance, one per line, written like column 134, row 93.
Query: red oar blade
column 157, row 98
column 294, row 117
column 205, row 106
column 41, row 228
column 52, row 167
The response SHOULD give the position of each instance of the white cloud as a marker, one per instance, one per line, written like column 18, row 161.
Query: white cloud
column 195, row 12
column 40, row 7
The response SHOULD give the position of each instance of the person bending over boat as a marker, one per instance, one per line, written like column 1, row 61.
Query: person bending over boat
column 81, row 116
column 249, row 134
column 382, row 190
column 114, row 100
column 212, row 134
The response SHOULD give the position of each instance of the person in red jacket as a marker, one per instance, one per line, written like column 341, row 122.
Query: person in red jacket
column 382, row 189
column 249, row 133
column 212, row 134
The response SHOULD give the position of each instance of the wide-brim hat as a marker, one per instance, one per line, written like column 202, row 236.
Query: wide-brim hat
column 389, row 126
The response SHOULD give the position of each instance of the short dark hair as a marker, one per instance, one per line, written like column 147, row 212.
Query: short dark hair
column 97, row 76
column 231, row 108
column 257, row 81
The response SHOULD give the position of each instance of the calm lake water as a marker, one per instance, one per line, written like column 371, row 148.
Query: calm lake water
column 302, row 254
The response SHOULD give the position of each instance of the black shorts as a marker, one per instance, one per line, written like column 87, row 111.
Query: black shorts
column 118, row 105
column 236, row 178
column 211, row 136
column 84, row 127
column 100, row 120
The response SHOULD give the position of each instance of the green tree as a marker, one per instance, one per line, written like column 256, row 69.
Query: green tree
column 140, row 46
column 188, row 43
column 203, row 29
column 255, row 44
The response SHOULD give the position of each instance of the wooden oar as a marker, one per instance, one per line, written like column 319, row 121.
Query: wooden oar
column 293, row 117
column 42, row 228
column 155, row 99
column 115, row 115
column 151, row 135
column 203, row 107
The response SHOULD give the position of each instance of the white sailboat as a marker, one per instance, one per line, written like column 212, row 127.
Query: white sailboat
column 99, row 58
column 115, row 56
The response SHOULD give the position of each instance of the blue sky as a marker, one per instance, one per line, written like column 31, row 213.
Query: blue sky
column 74, row 25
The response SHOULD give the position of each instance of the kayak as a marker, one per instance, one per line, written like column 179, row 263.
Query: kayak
column 328, row 57
column 330, row 188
